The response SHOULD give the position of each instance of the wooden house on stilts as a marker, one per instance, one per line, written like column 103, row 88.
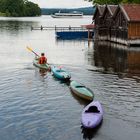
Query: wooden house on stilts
column 120, row 24
column 98, row 21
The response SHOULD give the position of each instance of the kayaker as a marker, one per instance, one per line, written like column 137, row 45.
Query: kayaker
column 42, row 59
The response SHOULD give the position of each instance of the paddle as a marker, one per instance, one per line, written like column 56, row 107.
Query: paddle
column 32, row 51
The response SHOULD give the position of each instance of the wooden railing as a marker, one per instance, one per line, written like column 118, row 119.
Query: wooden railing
column 68, row 28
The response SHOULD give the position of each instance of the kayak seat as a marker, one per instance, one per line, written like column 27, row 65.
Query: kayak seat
column 58, row 71
column 79, row 86
column 93, row 109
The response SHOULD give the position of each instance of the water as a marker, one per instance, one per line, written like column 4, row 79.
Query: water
column 35, row 105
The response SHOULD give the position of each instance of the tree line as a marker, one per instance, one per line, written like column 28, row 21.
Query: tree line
column 19, row 8
column 113, row 1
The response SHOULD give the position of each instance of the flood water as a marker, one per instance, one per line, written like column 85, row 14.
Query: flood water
column 36, row 106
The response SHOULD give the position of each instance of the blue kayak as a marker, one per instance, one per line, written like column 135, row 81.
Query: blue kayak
column 60, row 73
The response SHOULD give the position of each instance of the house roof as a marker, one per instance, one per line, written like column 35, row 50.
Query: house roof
column 132, row 11
column 100, row 9
column 111, row 9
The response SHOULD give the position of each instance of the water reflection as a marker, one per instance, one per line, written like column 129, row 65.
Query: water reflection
column 14, row 25
column 89, row 134
column 43, row 72
column 119, row 59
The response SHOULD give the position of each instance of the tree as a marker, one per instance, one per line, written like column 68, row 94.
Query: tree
column 19, row 8
column 32, row 9
column 131, row 1
column 107, row 1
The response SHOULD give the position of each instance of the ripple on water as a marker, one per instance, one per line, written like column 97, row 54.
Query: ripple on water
column 34, row 106
column 121, row 97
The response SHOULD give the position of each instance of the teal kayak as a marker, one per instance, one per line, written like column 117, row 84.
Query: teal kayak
column 60, row 73
column 41, row 66
column 81, row 90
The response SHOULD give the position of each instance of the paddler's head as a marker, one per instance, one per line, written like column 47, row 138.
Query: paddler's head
column 42, row 54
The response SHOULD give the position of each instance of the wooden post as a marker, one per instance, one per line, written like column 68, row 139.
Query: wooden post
column 41, row 27
column 88, row 34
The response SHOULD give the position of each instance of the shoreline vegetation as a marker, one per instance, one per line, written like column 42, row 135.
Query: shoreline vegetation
column 49, row 11
column 20, row 8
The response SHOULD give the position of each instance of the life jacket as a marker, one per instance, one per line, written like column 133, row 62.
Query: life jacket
column 42, row 60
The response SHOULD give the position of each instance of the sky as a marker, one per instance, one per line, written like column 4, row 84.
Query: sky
column 61, row 3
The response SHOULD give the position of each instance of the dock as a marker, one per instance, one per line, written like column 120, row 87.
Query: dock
column 58, row 28
column 69, row 32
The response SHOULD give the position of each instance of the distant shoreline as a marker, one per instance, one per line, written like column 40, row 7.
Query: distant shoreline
column 84, row 10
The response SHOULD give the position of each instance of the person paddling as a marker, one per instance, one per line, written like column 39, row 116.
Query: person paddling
column 42, row 59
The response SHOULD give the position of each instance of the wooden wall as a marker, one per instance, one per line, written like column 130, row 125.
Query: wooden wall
column 134, row 30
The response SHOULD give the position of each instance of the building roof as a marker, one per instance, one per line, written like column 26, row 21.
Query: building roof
column 132, row 11
column 100, row 9
column 112, row 8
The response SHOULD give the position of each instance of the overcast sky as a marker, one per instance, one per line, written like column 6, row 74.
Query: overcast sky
column 61, row 3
